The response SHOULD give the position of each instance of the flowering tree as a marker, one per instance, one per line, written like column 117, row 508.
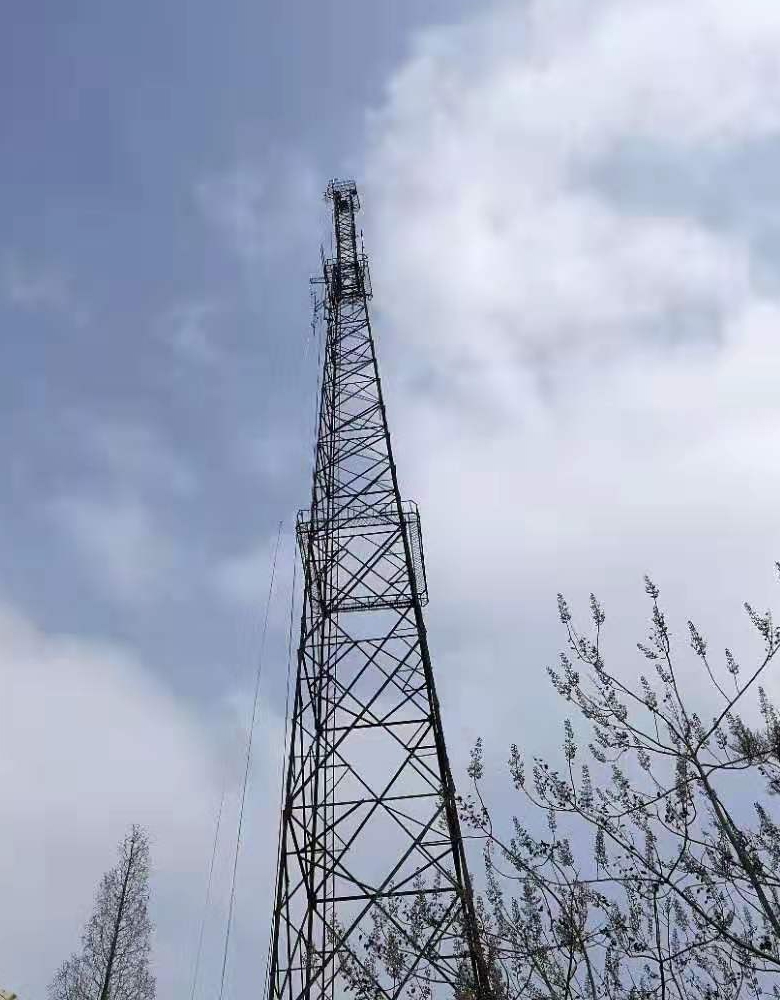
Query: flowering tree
column 648, row 864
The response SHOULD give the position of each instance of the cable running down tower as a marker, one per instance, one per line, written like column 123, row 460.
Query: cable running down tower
column 373, row 894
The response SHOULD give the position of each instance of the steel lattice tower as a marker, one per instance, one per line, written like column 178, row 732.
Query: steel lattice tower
column 373, row 891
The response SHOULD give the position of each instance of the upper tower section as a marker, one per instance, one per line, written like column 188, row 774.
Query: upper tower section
column 347, row 276
column 345, row 192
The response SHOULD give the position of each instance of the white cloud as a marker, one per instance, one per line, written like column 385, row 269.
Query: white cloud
column 91, row 744
column 121, row 543
column 261, row 210
column 580, row 390
column 38, row 286
column 187, row 327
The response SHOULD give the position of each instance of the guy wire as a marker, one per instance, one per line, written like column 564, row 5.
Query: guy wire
column 248, row 762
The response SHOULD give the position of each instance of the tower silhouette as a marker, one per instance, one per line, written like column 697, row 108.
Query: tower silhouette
column 373, row 894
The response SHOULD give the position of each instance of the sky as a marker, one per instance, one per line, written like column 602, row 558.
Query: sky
column 572, row 214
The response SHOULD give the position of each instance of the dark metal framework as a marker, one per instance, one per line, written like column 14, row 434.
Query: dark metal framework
column 372, row 886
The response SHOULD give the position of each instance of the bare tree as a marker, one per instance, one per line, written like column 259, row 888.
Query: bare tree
column 116, row 943
column 647, row 868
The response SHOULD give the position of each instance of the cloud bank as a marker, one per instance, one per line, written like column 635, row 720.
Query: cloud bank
column 579, row 311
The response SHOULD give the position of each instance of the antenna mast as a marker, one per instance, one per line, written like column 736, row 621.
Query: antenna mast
column 373, row 893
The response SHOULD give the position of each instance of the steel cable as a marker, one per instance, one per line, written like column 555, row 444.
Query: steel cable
column 283, row 769
column 248, row 763
column 208, row 896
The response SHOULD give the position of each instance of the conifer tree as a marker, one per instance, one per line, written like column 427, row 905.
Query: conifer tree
column 116, row 943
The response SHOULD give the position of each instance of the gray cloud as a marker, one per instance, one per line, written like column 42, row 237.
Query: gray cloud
column 577, row 303
column 189, row 328
column 120, row 543
column 32, row 285
column 261, row 209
